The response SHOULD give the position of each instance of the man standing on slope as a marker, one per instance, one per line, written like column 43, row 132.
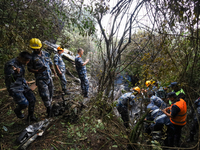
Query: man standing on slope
column 41, row 65
column 177, row 115
column 82, row 72
column 17, row 85
column 60, row 69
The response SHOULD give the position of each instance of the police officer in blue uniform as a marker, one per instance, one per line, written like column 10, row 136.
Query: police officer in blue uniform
column 82, row 72
column 156, row 100
column 41, row 65
column 17, row 85
column 157, row 116
column 60, row 69
column 126, row 102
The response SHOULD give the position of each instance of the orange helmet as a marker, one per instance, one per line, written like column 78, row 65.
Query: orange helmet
column 60, row 49
column 136, row 89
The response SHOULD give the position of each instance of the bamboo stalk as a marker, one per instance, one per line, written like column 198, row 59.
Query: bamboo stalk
column 135, row 129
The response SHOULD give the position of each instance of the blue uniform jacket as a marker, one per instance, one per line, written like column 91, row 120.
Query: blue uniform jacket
column 15, row 82
column 79, row 65
column 155, row 111
column 125, row 98
column 38, row 62
column 158, row 102
column 59, row 61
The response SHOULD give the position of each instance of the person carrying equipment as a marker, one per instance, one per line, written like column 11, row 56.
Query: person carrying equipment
column 41, row 65
column 60, row 69
column 17, row 85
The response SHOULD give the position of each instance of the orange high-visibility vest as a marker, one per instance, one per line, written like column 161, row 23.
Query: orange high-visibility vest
column 180, row 118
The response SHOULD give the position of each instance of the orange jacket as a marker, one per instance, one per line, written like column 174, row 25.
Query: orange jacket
column 180, row 118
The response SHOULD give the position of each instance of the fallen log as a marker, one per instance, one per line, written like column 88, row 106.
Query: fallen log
column 32, row 87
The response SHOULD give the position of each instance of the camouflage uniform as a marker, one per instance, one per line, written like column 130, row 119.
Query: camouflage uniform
column 122, row 106
column 158, row 117
column 43, row 79
column 82, row 73
column 158, row 102
column 17, row 86
column 58, row 61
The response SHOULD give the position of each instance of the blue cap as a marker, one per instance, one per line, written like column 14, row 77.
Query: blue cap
column 171, row 94
column 173, row 84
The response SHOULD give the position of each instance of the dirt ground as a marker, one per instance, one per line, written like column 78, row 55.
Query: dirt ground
column 63, row 134
column 86, row 133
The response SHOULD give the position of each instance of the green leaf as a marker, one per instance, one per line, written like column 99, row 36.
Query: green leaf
column 62, row 123
column 115, row 146
column 9, row 124
column 79, row 134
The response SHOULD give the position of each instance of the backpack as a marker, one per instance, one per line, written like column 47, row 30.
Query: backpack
column 161, row 93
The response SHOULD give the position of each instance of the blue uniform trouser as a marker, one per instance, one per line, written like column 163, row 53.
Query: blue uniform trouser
column 45, row 88
column 124, row 114
column 84, row 83
column 173, row 135
column 24, row 99
column 63, row 81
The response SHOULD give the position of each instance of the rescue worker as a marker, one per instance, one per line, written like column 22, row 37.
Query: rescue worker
column 60, row 69
column 82, row 72
column 177, row 115
column 156, row 100
column 159, row 122
column 125, row 103
column 195, row 125
column 179, row 92
column 150, row 84
column 41, row 65
column 157, row 116
column 17, row 85
column 154, row 112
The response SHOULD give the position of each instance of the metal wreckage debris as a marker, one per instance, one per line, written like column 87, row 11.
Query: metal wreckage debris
column 68, row 108
column 70, row 111
column 30, row 133
column 68, row 55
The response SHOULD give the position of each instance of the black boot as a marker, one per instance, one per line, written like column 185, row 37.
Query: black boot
column 31, row 116
column 86, row 95
column 18, row 111
column 191, row 139
column 49, row 111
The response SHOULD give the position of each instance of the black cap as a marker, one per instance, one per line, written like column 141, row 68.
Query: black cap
column 171, row 94
column 173, row 84
column 26, row 55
